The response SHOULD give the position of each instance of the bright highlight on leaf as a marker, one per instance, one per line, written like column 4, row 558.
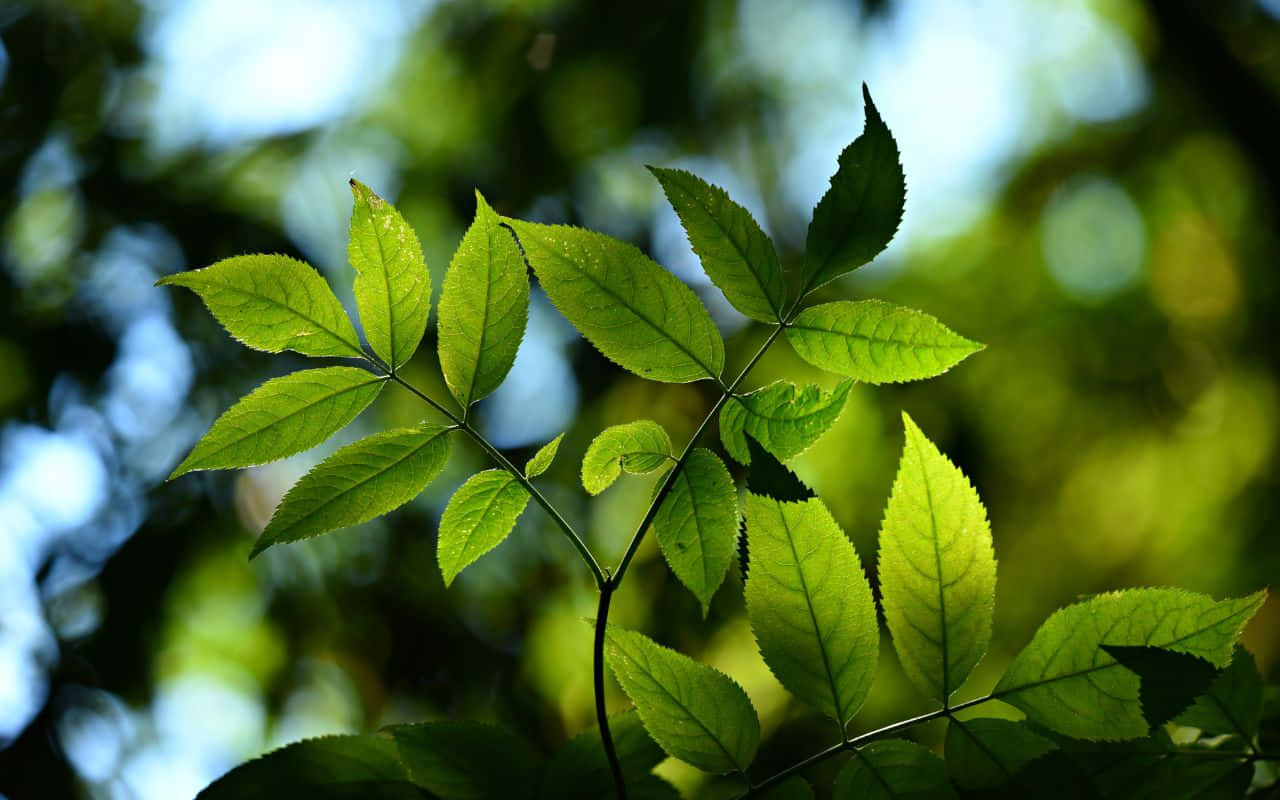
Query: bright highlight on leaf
column 361, row 481
column 638, row 447
column 737, row 256
column 810, row 605
column 937, row 569
column 483, row 308
column 785, row 419
column 893, row 769
column 542, row 459
column 861, row 211
column 283, row 417
column 478, row 517
column 454, row 760
column 697, row 524
column 634, row 311
column 876, row 342
column 393, row 286
column 1064, row 680
column 694, row 712
column 273, row 303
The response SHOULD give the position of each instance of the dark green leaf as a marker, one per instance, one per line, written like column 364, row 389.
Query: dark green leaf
column 580, row 771
column 989, row 753
column 770, row 478
column 893, row 769
column 785, row 419
column 697, row 524
column 329, row 768
column 1169, row 681
column 466, row 760
column 1233, row 704
column 793, row 788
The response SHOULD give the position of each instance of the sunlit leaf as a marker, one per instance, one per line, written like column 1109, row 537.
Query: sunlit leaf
column 1233, row 704
column 937, row 569
column 478, row 517
column 542, row 459
column 361, row 481
column 785, row 419
column 273, row 303
column 393, row 286
column 455, row 760
column 737, row 256
column 893, row 769
column 635, row 312
column 876, row 342
column 638, row 447
column 328, row 768
column 697, row 524
column 483, row 308
column 694, row 712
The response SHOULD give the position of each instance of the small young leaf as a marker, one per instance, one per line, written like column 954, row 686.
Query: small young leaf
column 810, row 605
column 735, row 253
column 483, row 308
column 542, row 459
column 861, row 211
column 284, row 416
column 456, row 760
column 331, row 767
column 697, row 523
column 361, row 481
column 770, row 478
column 638, row 447
column 580, row 771
column 785, row 419
column 793, row 788
column 1064, row 681
column 273, row 303
column 635, row 312
column 478, row 517
column 986, row 754
column 694, row 712
column 393, row 286
column 1169, row 681
column 1233, row 703
column 876, row 342
column 937, row 569
column 893, row 769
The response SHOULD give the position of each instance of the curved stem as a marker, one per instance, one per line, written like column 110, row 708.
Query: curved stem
column 602, row 717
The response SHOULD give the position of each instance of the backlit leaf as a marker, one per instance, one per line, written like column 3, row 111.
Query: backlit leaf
column 284, row 416
column 697, row 524
column 785, row 419
column 542, row 459
column 893, row 769
column 478, row 517
column 393, row 286
column 638, row 447
column 876, row 342
column 361, row 481
column 457, row 760
column 635, row 312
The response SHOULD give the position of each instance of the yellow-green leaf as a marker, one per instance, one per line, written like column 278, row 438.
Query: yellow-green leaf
column 697, row 524
column 478, row 517
column 542, row 459
column 638, row 447
column 784, row 419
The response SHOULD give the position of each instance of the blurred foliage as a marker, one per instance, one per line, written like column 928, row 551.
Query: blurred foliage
column 1121, row 424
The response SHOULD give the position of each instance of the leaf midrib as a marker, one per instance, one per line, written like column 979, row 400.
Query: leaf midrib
column 728, row 234
column 686, row 709
column 272, row 301
column 937, row 560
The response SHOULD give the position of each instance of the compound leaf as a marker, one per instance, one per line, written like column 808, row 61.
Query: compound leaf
column 735, row 253
column 876, row 342
column 484, row 306
column 893, row 769
column 861, row 211
column 1233, row 704
column 478, row 517
column 810, row 605
column 455, row 760
column 986, row 754
column 393, row 285
column 284, row 416
column 542, row 459
column 273, row 303
column 1064, row 680
column 361, row 481
column 697, row 524
column 638, row 447
column 937, row 569
column 635, row 312
column 785, row 419
column 694, row 712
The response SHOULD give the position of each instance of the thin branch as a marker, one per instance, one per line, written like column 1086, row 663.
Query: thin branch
column 602, row 717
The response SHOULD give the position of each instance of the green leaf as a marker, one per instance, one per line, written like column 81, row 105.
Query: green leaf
column 460, row 760
column 984, row 754
column 361, row 481
column 694, row 712
column 328, row 768
column 937, row 569
column 810, row 605
column 698, row 523
column 635, row 312
column 638, row 447
column 284, row 416
column 1141, row 769
column 785, row 419
column 580, row 770
column 893, row 769
column 794, row 788
column 735, row 253
column 1233, row 703
column 542, row 459
column 876, row 342
column 483, row 308
column 1066, row 682
column 1169, row 681
column 860, row 213
column 273, row 303
column 478, row 517
column 393, row 286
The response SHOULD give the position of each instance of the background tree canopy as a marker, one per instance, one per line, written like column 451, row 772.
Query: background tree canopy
column 1092, row 191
